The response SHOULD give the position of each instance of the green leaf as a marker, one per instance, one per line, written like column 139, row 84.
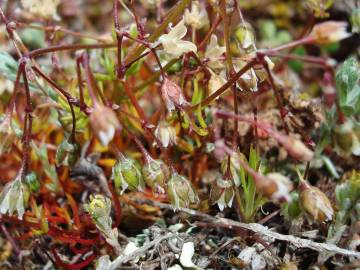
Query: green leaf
column 347, row 77
column 8, row 66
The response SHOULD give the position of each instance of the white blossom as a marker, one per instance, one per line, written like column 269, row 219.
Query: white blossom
column 173, row 43
column 214, row 52
column 197, row 18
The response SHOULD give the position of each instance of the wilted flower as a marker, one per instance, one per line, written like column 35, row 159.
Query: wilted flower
column 279, row 189
column 329, row 32
column 44, row 8
column 216, row 81
column 180, row 191
column 315, row 203
column 214, row 52
column 355, row 21
column 347, row 138
column 172, row 95
column 222, row 192
column 127, row 174
column 7, row 134
column 67, row 153
column 31, row 179
column 14, row 197
column 104, row 123
column 197, row 18
column 99, row 209
column 165, row 133
column 155, row 173
column 172, row 43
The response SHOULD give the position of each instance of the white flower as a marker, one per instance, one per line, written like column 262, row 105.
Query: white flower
column 14, row 197
column 214, row 52
column 165, row 133
column 172, row 43
column 197, row 18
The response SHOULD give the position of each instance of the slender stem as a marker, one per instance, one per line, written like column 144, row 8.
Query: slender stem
column 58, row 28
column 69, row 47
column 147, row 45
column 80, row 82
column 223, row 88
column 68, row 98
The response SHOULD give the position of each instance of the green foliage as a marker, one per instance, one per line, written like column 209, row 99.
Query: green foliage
column 347, row 77
column 251, row 201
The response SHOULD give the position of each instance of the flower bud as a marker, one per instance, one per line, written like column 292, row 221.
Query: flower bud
column 165, row 133
column 104, row 123
column 67, row 153
column 172, row 95
column 32, row 181
column 14, row 197
column 315, row 203
column 222, row 192
column 155, row 173
column 297, row 149
column 355, row 21
column 127, row 174
column 181, row 192
column 99, row 209
column 329, row 32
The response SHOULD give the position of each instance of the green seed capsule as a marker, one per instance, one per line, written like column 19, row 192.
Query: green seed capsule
column 181, row 192
column 127, row 174
column 32, row 181
column 156, row 173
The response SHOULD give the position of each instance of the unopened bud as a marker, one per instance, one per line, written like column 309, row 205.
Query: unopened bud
column 222, row 192
column 172, row 95
column 279, row 189
column 298, row 150
column 234, row 166
column 347, row 138
column 127, row 174
column 156, row 173
column 181, row 192
column 104, row 123
column 7, row 134
column 329, row 32
column 315, row 203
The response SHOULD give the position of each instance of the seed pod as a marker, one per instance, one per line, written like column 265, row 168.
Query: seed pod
column 155, row 173
column 181, row 192
column 315, row 203
column 32, row 181
column 104, row 123
column 127, row 174
column 245, row 37
column 67, row 153
column 222, row 192
column 347, row 138
column 329, row 32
